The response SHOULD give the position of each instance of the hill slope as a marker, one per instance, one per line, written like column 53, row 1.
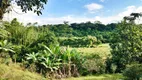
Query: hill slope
column 14, row 72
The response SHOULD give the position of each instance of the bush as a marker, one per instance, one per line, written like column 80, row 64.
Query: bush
column 93, row 64
column 133, row 72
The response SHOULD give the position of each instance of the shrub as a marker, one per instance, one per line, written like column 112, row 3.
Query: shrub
column 93, row 64
column 133, row 72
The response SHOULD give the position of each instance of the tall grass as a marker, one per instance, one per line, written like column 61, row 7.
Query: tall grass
column 15, row 72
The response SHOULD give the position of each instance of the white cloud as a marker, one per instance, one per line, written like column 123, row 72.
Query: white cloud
column 93, row 7
column 30, row 17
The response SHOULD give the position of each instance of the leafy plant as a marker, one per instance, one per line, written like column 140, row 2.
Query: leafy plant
column 26, row 5
column 57, row 61
column 5, row 46
column 94, row 64
column 6, row 51
column 46, row 60
column 133, row 72
column 126, row 45
column 33, row 57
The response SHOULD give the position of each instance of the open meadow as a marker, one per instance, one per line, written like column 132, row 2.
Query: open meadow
column 102, row 50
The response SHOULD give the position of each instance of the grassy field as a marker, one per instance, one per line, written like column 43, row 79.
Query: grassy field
column 103, row 50
column 99, row 77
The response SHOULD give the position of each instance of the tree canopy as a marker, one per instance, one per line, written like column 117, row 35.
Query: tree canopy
column 26, row 5
column 126, row 43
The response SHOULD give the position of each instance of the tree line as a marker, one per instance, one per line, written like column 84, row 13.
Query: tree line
column 97, row 29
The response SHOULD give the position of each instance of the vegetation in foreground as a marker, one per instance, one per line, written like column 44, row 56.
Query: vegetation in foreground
column 15, row 72
column 36, row 49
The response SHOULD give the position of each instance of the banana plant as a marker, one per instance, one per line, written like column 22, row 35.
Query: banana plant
column 50, row 64
column 68, row 52
column 53, row 58
column 33, row 57
column 33, row 61
column 50, row 58
column 66, row 61
column 6, row 51
column 71, row 58
column 5, row 46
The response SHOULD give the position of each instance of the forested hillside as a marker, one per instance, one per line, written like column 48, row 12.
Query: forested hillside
column 89, row 34
column 99, row 30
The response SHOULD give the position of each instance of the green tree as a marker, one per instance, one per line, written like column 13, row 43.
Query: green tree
column 26, row 5
column 4, row 34
column 126, row 44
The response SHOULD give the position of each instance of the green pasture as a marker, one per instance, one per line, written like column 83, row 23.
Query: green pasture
column 103, row 50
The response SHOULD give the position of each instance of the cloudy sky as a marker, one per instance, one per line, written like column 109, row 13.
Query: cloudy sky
column 58, row 11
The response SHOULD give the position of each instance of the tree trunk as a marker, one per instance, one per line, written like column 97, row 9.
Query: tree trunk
column 1, row 14
column 4, row 4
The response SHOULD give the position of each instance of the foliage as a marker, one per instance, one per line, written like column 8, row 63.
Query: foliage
column 133, row 72
column 61, row 29
column 30, row 5
column 6, row 51
column 25, row 39
column 3, row 33
column 93, row 64
column 16, row 30
column 36, row 48
column 5, row 46
column 55, row 60
column 126, row 45
column 26, row 5
column 47, row 37
column 88, row 41
column 100, row 31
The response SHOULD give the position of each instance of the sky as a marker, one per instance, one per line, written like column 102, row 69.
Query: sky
column 77, row 11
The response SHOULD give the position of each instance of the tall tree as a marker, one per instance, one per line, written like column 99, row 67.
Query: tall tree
column 126, row 44
column 26, row 5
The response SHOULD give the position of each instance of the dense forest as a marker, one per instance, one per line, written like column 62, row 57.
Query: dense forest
column 74, row 34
